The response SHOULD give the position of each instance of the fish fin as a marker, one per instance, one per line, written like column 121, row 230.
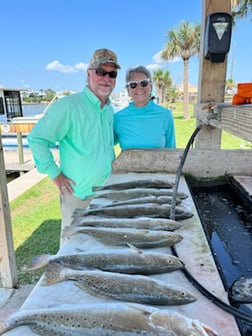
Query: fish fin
column 96, row 188
column 204, row 328
column 54, row 273
column 69, row 231
column 79, row 250
column 134, row 248
column 39, row 261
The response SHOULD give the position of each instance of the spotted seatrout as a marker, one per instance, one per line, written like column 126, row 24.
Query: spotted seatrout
column 137, row 210
column 110, row 318
column 118, row 286
column 146, row 223
column 138, row 192
column 139, row 200
column 124, row 236
column 114, row 260
column 145, row 183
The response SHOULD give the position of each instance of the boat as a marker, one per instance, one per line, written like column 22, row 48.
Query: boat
column 13, row 123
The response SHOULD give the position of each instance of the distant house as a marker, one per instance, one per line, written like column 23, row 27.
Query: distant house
column 192, row 91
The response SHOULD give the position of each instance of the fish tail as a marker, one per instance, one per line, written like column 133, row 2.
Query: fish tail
column 54, row 273
column 39, row 261
column 6, row 321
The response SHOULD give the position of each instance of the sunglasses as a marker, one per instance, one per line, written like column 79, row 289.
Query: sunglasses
column 101, row 72
column 143, row 83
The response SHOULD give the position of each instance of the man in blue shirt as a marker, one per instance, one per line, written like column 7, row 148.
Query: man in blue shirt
column 82, row 125
column 143, row 123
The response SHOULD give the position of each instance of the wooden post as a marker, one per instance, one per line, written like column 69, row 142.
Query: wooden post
column 212, row 78
column 20, row 147
column 8, row 270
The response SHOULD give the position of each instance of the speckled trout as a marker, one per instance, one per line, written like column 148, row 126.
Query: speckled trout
column 129, row 261
column 138, row 200
column 147, row 223
column 118, row 286
column 110, row 318
column 137, row 210
column 124, row 236
column 137, row 192
column 145, row 183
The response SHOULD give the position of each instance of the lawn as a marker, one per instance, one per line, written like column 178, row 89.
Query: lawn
column 36, row 214
column 36, row 226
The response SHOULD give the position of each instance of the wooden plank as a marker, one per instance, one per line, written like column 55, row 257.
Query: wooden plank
column 8, row 271
column 212, row 78
column 235, row 119
column 199, row 163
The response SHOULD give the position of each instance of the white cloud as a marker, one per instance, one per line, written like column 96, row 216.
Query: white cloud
column 57, row 66
column 153, row 67
column 157, row 58
column 81, row 66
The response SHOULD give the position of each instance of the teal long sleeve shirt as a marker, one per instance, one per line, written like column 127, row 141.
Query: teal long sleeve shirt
column 84, row 133
column 151, row 126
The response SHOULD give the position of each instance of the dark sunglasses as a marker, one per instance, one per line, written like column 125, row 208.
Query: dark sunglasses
column 143, row 83
column 101, row 72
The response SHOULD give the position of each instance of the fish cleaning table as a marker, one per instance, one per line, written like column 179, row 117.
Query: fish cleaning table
column 193, row 250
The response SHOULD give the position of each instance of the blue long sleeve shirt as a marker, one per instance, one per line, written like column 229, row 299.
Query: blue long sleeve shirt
column 151, row 126
column 84, row 133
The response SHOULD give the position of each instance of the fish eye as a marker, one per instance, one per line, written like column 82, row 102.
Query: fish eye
column 182, row 294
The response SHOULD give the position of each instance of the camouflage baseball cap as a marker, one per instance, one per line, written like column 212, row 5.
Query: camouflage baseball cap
column 102, row 56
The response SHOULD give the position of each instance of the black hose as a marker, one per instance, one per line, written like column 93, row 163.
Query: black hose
column 231, row 310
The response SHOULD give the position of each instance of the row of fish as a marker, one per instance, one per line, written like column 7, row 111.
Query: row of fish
column 106, row 280
column 132, row 199
column 121, row 272
column 110, row 318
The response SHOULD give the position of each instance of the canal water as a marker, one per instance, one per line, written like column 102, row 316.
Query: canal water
column 227, row 220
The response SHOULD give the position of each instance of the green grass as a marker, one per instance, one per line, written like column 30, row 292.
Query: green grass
column 36, row 214
column 36, row 227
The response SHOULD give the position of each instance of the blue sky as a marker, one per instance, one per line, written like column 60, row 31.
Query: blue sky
column 47, row 44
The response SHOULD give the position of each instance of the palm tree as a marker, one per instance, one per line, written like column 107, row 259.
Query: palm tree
column 183, row 42
column 172, row 94
column 241, row 8
column 163, row 81
column 158, row 80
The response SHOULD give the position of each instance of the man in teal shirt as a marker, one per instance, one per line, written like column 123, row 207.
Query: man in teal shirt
column 82, row 126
